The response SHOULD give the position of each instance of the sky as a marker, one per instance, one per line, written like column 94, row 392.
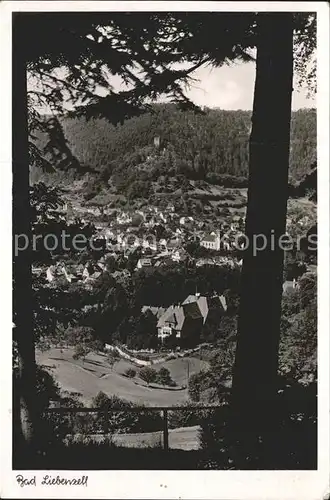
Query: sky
column 228, row 87
column 232, row 87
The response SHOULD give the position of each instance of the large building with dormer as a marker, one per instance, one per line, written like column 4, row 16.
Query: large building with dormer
column 183, row 323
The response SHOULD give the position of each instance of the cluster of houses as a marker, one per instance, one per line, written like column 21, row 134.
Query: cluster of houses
column 163, row 258
column 225, row 236
column 143, row 222
column 182, row 324
column 181, row 255
column 157, row 236
column 148, row 236
column 73, row 274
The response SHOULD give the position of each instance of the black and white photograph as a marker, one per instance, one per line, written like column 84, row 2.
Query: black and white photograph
column 167, row 242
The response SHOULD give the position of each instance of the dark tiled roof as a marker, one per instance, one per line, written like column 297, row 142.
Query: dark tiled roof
column 192, row 311
column 174, row 314
column 193, row 308
column 214, row 303
column 210, row 238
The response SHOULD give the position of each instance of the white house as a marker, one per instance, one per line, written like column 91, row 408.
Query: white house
column 50, row 274
column 150, row 243
column 211, row 241
column 144, row 263
column 290, row 285
column 187, row 319
column 178, row 255
column 124, row 218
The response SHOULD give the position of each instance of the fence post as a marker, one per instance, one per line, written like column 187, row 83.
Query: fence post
column 165, row 430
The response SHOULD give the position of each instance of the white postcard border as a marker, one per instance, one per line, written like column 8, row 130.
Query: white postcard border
column 170, row 484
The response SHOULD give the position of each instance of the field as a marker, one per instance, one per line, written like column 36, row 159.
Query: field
column 94, row 374
column 182, row 438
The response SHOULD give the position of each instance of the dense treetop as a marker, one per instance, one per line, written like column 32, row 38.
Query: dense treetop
column 198, row 146
column 71, row 58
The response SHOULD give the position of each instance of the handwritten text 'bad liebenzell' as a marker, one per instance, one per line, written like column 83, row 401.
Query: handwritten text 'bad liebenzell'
column 51, row 481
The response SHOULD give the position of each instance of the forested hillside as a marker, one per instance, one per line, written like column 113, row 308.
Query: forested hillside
column 211, row 146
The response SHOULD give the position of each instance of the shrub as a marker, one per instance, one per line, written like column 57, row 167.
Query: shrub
column 189, row 416
column 124, row 420
column 98, row 345
column 148, row 374
column 112, row 358
column 198, row 383
column 130, row 372
column 164, row 377
column 101, row 400
column 80, row 352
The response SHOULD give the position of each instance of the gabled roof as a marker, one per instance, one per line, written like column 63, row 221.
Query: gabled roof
column 189, row 299
column 192, row 311
column 207, row 303
column 201, row 303
column 156, row 311
column 96, row 274
column 210, row 238
column 195, row 307
column 288, row 286
column 171, row 318
column 223, row 302
column 173, row 314
column 217, row 303
column 203, row 306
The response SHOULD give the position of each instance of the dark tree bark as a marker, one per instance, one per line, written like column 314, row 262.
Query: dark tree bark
column 25, row 407
column 255, row 370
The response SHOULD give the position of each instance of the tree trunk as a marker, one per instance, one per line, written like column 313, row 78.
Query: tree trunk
column 256, row 363
column 25, row 398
